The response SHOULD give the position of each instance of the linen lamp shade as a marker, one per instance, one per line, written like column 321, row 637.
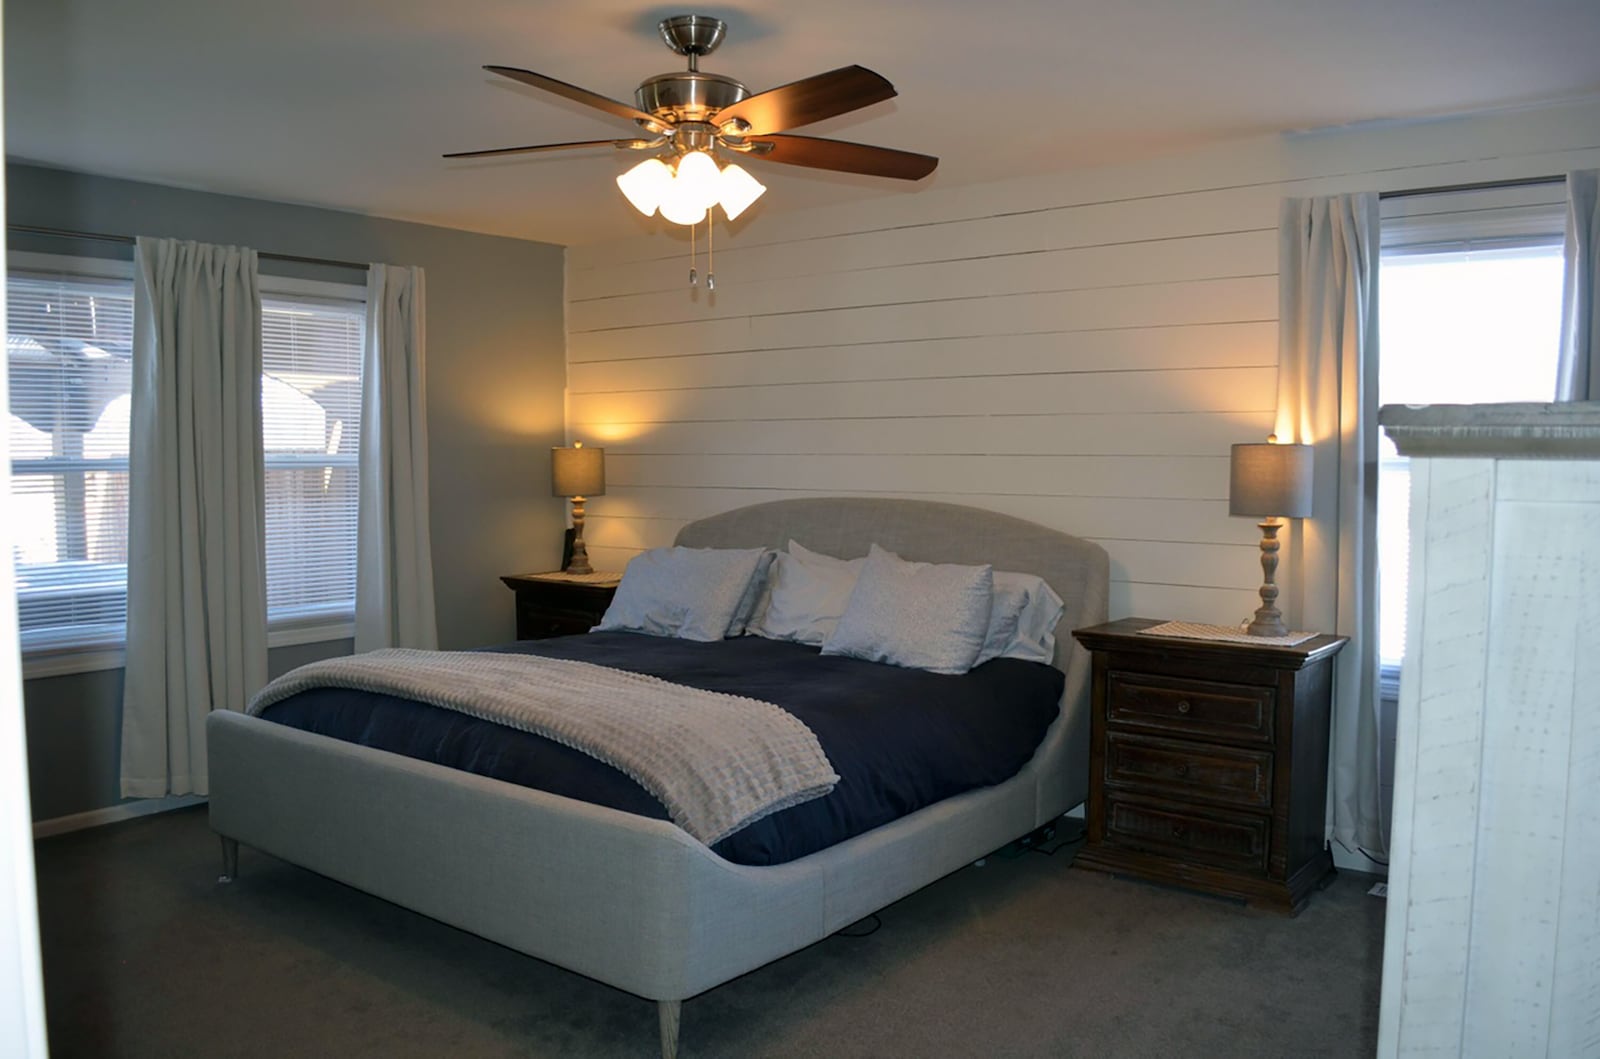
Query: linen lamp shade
column 1270, row 481
column 577, row 471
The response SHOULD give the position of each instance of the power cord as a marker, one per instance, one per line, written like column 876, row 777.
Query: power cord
column 852, row 932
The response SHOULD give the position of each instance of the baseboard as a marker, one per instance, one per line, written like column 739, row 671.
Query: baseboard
column 113, row 814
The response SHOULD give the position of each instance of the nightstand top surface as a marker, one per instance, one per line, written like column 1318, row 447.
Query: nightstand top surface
column 1124, row 634
column 561, row 577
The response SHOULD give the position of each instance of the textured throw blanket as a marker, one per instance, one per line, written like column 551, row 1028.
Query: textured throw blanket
column 716, row 761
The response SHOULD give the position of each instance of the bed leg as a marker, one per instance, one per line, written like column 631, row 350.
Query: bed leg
column 230, row 859
column 667, row 1012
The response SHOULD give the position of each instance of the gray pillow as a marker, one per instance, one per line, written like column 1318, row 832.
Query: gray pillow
column 806, row 593
column 690, row 593
column 931, row 616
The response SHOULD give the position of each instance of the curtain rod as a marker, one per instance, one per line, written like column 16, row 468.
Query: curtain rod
column 67, row 233
column 1485, row 185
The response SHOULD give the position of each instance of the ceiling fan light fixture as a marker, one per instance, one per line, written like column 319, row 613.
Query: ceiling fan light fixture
column 737, row 189
column 646, row 184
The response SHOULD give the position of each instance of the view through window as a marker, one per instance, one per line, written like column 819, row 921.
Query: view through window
column 69, row 349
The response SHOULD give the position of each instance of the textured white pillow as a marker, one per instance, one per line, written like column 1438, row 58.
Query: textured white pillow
column 690, row 593
column 806, row 593
column 1022, row 622
column 929, row 616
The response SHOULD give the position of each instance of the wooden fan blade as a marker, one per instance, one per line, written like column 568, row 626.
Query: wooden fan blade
column 845, row 157
column 576, row 94
column 550, row 147
column 812, row 99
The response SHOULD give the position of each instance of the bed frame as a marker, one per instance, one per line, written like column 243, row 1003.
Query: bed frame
column 635, row 902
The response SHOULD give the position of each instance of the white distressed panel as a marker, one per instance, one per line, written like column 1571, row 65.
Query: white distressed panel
column 1227, row 345
column 1146, row 305
column 1233, row 254
column 1214, row 606
column 1242, row 390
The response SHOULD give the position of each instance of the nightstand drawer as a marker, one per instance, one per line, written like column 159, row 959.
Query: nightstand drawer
column 1190, row 707
column 1239, row 842
column 1232, row 776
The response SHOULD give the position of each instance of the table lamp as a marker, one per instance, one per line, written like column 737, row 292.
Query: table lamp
column 578, row 473
column 1270, row 481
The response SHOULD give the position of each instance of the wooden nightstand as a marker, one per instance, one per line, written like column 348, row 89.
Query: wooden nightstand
column 557, row 604
column 1208, row 762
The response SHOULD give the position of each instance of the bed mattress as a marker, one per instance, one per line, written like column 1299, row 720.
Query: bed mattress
column 900, row 739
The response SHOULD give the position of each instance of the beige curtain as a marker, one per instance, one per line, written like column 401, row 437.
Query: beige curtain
column 1327, row 397
column 197, row 595
column 1578, row 376
column 394, row 554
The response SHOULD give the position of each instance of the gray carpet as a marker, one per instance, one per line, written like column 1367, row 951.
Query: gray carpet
column 144, row 955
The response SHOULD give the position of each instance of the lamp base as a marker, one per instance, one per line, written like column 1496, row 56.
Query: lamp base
column 579, row 563
column 1268, row 618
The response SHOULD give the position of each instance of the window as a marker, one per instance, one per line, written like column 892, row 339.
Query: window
column 1469, row 312
column 69, row 349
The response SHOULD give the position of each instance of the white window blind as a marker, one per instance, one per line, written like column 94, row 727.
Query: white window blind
column 68, row 344
column 311, row 425
column 68, row 348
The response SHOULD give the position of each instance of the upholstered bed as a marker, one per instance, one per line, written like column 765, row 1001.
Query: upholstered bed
column 632, row 901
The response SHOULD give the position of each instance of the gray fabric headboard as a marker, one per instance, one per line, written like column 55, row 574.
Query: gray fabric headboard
column 925, row 531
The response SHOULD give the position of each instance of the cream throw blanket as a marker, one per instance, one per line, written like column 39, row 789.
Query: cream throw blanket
column 716, row 761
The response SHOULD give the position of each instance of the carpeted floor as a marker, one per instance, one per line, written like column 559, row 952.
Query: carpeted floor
column 145, row 955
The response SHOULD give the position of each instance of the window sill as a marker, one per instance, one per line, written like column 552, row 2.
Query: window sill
column 45, row 662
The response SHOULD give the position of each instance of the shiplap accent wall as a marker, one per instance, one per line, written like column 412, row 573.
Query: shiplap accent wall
column 1078, row 349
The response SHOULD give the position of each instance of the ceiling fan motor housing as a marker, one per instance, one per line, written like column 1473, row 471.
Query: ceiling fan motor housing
column 687, row 95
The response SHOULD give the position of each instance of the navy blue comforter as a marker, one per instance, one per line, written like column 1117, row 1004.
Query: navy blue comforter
column 900, row 739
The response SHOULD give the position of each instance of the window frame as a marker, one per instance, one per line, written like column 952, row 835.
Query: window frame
column 100, row 653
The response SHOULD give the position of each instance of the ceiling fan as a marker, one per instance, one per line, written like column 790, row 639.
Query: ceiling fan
column 689, row 114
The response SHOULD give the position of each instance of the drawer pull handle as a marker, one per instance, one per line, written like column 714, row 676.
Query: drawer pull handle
column 1183, row 706
column 1177, row 830
column 1183, row 770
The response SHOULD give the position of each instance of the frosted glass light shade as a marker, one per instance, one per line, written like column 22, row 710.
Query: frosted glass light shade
column 681, row 204
column 698, row 177
column 645, row 184
column 738, row 190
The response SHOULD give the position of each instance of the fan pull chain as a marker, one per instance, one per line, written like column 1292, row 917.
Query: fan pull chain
column 694, row 277
column 711, row 252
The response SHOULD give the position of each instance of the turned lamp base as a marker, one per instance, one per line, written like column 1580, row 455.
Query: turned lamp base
column 1268, row 618
column 579, row 563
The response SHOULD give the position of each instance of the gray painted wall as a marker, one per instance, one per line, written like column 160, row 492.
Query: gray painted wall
column 496, row 375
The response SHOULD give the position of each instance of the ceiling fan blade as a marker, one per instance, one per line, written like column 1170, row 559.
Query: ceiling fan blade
column 576, row 94
column 634, row 144
column 845, row 157
column 812, row 99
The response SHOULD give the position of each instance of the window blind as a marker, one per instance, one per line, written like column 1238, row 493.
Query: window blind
column 68, row 346
column 311, row 426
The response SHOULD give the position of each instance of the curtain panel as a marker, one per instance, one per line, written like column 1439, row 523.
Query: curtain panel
column 1327, row 398
column 1578, row 371
column 394, row 557
column 197, row 611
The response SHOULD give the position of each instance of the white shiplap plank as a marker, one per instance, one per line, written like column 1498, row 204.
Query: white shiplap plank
column 1214, row 606
column 1232, row 254
column 1150, row 305
column 1222, row 345
column 1170, row 477
column 1241, row 390
column 1077, row 434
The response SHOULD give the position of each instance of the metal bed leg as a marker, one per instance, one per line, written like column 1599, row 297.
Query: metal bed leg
column 667, row 1012
column 230, row 859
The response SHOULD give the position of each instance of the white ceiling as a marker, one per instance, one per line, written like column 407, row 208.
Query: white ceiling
column 349, row 103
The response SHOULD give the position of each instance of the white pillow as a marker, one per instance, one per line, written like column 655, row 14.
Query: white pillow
column 690, row 593
column 931, row 616
column 805, row 594
column 1022, row 622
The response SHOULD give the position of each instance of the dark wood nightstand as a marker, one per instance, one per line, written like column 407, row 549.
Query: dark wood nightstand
column 1208, row 762
column 557, row 604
